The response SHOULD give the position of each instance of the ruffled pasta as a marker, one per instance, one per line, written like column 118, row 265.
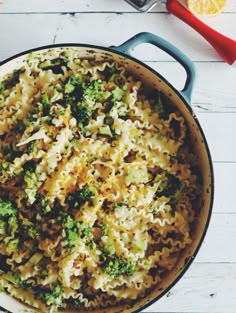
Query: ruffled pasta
column 98, row 190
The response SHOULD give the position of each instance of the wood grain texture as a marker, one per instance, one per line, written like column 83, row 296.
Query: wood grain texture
column 210, row 283
column 42, row 29
column 203, row 289
column 27, row 6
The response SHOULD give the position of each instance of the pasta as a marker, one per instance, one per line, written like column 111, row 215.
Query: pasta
column 98, row 188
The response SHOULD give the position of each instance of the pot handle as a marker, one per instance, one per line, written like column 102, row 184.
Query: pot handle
column 146, row 37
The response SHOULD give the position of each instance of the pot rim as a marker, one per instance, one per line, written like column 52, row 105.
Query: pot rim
column 189, row 108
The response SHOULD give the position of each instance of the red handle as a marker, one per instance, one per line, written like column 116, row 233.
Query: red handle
column 225, row 46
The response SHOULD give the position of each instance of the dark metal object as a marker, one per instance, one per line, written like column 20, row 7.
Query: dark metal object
column 143, row 5
column 2, row 310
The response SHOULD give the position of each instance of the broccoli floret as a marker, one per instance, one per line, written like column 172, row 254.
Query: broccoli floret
column 1, row 87
column 109, row 248
column 12, row 224
column 31, row 181
column 15, row 279
column 13, row 244
column 75, row 230
column 85, row 193
column 178, row 194
column 55, row 65
column 116, row 266
column 51, row 297
column 11, row 151
column 158, row 106
column 42, row 201
column 70, row 231
column 44, row 105
column 20, row 282
column 82, row 113
column 118, row 93
column 31, row 147
column 170, row 186
column 72, row 83
column 77, row 198
column 73, row 95
column 109, row 72
column 4, row 167
column 163, row 184
column 7, row 209
column 3, row 227
column 30, row 230
column 8, row 218
column 104, row 230
column 96, row 92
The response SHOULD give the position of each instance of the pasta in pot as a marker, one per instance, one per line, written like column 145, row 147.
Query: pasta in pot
column 98, row 188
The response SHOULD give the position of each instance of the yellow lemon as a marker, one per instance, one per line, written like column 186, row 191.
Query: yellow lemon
column 206, row 7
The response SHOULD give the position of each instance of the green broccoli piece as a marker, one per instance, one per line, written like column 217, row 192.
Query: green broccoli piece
column 72, row 83
column 42, row 200
column 118, row 93
column 170, row 186
column 96, row 92
column 51, row 297
column 12, row 224
column 77, row 198
column 82, row 113
column 55, row 65
column 7, row 209
column 85, row 194
column 31, row 181
column 1, row 87
column 109, row 248
column 109, row 72
column 44, row 105
column 8, row 218
column 163, row 184
column 158, row 106
column 20, row 282
column 75, row 230
column 13, row 244
column 116, row 266
column 30, row 230
column 178, row 194
column 3, row 227
column 104, row 230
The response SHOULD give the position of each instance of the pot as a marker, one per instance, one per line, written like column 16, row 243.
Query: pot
column 181, row 99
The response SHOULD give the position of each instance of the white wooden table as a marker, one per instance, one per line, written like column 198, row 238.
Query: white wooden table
column 210, row 284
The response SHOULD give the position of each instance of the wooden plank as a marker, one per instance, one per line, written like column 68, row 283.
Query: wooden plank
column 218, row 129
column 163, row 25
column 224, row 199
column 58, row 28
column 216, row 245
column 204, row 288
column 12, row 6
column 217, row 96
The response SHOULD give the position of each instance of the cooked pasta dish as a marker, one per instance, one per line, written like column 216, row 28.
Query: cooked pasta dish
column 98, row 183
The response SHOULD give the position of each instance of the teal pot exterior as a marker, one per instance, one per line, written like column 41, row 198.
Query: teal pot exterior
column 181, row 99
